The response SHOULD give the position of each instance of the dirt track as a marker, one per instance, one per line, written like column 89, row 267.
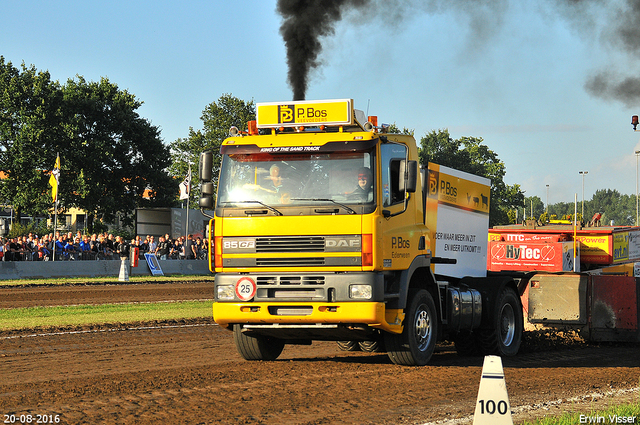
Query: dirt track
column 190, row 373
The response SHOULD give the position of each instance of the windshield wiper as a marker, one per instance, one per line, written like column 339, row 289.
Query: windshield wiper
column 349, row 210
column 269, row 207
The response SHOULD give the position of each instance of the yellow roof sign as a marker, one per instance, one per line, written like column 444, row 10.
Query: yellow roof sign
column 304, row 112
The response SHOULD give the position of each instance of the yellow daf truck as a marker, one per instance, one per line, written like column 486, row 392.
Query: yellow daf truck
column 327, row 228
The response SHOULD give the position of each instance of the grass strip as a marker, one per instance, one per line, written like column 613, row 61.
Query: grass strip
column 624, row 413
column 105, row 279
column 33, row 317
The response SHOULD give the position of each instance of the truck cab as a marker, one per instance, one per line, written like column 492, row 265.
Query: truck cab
column 321, row 234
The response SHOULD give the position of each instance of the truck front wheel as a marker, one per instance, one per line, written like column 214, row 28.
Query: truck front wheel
column 256, row 347
column 505, row 335
column 415, row 345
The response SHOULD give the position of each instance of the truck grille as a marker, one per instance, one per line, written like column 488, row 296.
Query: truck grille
column 291, row 311
column 289, row 280
column 289, row 262
column 290, row 244
column 293, row 251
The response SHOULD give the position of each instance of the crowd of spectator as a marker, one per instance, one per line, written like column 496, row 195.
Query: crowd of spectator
column 104, row 246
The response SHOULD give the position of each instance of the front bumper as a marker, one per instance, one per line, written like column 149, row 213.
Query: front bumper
column 372, row 314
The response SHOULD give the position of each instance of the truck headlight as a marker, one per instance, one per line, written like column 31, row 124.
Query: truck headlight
column 226, row 292
column 362, row 292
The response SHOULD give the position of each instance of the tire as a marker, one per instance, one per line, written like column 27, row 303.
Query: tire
column 467, row 344
column 372, row 346
column 505, row 335
column 256, row 347
column 415, row 345
column 348, row 345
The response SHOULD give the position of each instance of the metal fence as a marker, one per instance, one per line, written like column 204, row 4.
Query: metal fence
column 47, row 255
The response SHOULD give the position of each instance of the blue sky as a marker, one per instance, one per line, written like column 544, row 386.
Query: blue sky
column 512, row 73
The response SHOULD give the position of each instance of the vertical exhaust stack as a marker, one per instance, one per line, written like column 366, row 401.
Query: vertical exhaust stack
column 304, row 23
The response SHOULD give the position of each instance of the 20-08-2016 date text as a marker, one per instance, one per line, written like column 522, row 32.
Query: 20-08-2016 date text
column 29, row 418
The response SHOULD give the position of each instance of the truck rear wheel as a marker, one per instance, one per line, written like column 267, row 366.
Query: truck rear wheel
column 467, row 344
column 505, row 335
column 348, row 345
column 256, row 347
column 372, row 346
column 415, row 345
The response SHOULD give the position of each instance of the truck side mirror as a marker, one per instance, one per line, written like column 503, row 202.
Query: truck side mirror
column 205, row 172
column 205, row 166
column 206, row 196
column 408, row 176
column 206, row 189
column 206, row 202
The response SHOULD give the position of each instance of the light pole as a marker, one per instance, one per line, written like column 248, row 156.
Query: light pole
column 584, row 173
column 634, row 123
column 547, row 202
column 637, row 153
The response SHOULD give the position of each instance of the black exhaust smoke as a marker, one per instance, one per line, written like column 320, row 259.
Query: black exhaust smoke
column 621, row 82
column 615, row 23
column 305, row 22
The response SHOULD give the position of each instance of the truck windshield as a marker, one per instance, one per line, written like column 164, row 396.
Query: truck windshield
column 335, row 178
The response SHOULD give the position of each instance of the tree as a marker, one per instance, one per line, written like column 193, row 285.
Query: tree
column 613, row 207
column 30, row 130
column 217, row 118
column 533, row 207
column 469, row 154
column 394, row 129
column 116, row 159
column 621, row 209
column 561, row 209
column 112, row 160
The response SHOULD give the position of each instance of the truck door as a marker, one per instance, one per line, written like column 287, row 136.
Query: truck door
column 397, row 229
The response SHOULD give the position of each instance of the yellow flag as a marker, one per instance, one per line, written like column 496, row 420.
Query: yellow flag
column 54, row 179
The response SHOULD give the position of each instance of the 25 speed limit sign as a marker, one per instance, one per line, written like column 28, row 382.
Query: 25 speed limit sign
column 245, row 288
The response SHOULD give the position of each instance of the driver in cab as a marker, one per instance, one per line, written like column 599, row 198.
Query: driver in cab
column 273, row 186
column 363, row 191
